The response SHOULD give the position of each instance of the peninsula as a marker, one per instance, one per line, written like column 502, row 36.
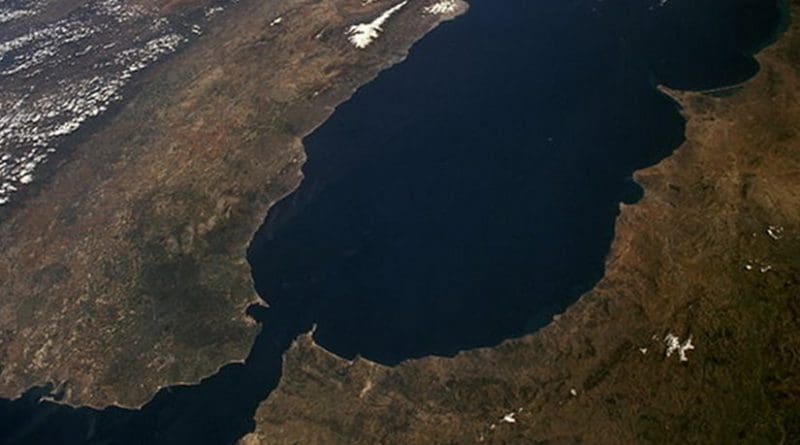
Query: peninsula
column 123, row 232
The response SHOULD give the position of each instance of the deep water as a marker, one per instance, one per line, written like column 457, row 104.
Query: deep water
column 464, row 197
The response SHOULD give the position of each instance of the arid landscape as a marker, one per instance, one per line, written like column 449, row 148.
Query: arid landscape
column 126, row 216
column 124, row 269
column 709, row 256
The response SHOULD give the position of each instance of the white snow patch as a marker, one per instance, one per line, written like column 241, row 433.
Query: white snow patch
column 363, row 34
column 775, row 232
column 441, row 7
column 509, row 418
column 674, row 344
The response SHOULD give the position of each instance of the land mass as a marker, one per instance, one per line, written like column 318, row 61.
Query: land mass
column 691, row 336
column 124, row 267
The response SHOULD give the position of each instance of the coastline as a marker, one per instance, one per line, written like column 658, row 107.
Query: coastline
column 574, row 379
column 584, row 376
column 134, row 388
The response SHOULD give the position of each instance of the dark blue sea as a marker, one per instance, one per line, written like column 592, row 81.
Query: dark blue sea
column 463, row 198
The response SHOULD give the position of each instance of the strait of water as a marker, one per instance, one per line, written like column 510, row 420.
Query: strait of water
column 464, row 197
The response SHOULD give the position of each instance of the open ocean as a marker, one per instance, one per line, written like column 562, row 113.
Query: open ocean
column 464, row 197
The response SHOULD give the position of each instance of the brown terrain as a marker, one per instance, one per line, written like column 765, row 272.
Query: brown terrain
column 710, row 255
column 123, row 265
column 123, row 268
